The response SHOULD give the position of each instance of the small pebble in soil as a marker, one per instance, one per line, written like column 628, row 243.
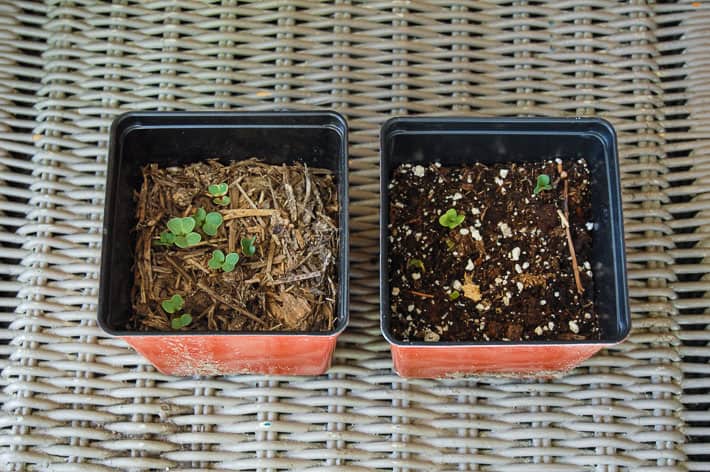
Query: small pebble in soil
column 431, row 337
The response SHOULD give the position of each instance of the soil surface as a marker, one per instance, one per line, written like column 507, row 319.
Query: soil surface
column 289, row 284
column 506, row 273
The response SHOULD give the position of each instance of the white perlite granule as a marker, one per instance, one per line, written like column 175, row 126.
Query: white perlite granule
column 505, row 230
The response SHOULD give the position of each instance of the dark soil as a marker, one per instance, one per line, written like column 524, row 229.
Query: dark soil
column 509, row 261
column 289, row 284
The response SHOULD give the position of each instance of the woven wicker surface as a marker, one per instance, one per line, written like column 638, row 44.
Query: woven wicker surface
column 74, row 399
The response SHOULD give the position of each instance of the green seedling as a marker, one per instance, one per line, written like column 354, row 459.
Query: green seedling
column 212, row 222
column 451, row 219
column 218, row 192
column 199, row 216
column 454, row 295
column 417, row 264
column 220, row 261
column 181, row 228
column 248, row 247
column 173, row 304
column 166, row 239
column 181, row 321
column 543, row 183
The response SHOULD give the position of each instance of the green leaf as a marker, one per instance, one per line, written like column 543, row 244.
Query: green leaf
column 213, row 218
column 228, row 267
column 454, row 295
column 451, row 219
column 217, row 190
column 193, row 238
column 543, row 183
column 210, row 230
column 248, row 247
column 181, row 226
column 231, row 259
column 173, row 304
column 199, row 216
column 181, row 321
column 224, row 200
column 175, row 226
column 166, row 238
column 188, row 240
column 217, row 259
column 416, row 263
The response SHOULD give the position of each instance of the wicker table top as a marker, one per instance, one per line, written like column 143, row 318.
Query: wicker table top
column 74, row 399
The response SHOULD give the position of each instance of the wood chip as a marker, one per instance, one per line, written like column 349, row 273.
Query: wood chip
column 471, row 290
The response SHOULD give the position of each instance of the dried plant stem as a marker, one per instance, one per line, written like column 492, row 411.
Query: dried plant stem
column 299, row 277
column 564, row 219
column 247, row 212
column 421, row 294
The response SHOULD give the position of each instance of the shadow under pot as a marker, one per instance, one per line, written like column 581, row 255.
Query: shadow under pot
column 501, row 245
column 225, row 246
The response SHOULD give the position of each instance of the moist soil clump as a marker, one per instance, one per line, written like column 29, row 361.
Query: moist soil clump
column 288, row 283
column 503, row 273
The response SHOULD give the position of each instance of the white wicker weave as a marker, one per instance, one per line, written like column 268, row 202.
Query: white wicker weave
column 76, row 400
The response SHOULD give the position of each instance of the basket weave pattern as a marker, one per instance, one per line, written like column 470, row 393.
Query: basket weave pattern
column 74, row 399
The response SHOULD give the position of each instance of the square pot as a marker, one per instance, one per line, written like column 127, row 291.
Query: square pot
column 318, row 139
column 459, row 141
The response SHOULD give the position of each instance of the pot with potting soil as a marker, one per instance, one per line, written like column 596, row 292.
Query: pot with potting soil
column 225, row 240
column 501, row 245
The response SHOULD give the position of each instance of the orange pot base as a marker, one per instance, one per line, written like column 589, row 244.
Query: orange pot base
column 517, row 360
column 236, row 354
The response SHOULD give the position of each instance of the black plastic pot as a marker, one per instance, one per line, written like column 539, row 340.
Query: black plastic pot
column 318, row 139
column 457, row 141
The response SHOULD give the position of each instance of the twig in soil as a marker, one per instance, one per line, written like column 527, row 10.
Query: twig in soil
column 421, row 294
column 564, row 218
column 232, row 239
column 575, row 267
column 244, row 194
column 246, row 212
column 217, row 297
column 180, row 270
column 299, row 277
